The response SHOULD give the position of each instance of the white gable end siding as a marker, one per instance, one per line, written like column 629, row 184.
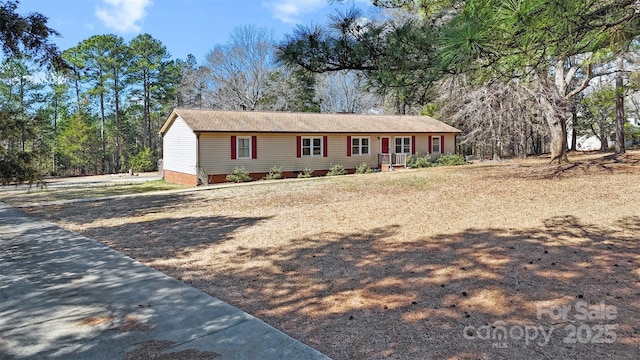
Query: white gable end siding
column 179, row 148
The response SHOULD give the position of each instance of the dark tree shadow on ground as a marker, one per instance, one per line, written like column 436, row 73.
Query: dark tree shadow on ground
column 90, row 211
column 146, row 240
column 369, row 295
column 610, row 164
column 107, row 308
column 375, row 294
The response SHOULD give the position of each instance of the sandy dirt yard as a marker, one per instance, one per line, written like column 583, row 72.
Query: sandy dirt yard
column 496, row 260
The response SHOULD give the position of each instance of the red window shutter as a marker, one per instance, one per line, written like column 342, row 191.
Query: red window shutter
column 442, row 144
column 348, row 145
column 430, row 144
column 324, row 145
column 254, row 147
column 298, row 146
column 233, row 148
column 413, row 145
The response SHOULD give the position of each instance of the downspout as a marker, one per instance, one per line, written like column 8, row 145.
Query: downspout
column 161, row 160
column 197, row 156
column 455, row 144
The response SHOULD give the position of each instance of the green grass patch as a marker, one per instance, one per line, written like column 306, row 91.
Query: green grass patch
column 83, row 191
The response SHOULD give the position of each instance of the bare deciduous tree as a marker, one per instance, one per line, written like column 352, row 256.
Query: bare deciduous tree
column 345, row 91
column 240, row 71
column 497, row 119
column 192, row 89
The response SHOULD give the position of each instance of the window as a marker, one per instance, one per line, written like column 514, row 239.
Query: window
column 244, row 147
column 360, row 146
column 312, row 146
column 403, row 145
column 435, row 145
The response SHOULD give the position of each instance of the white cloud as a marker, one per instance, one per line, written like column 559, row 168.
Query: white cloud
column 289, row 11
column 122, row 15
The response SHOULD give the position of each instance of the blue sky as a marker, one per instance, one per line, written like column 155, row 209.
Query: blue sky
column 183, row 26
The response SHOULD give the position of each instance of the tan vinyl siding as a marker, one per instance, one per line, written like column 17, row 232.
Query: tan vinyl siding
column 449, row 144
column 179, row 148
column 422, row 144
column 280, row 150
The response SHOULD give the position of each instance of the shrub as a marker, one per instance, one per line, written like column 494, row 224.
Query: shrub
column 274, row 173
column 239, row 175
column 203, row 176
column 336, row 169
column 142, row 161
column 450, row 159
column 364, row 169
column 423, row 161
column 306, row 173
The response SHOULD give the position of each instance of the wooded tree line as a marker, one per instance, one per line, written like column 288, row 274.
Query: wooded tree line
column 514, row 76
column 95, row 111
column 97, row 107
column 94, row 108
column 498, row 55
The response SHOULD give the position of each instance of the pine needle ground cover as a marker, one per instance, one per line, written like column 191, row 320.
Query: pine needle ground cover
column 514, row 259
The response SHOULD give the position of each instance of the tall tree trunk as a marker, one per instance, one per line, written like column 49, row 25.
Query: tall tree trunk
column 77, row 88
column 23, row 111
column 557, row 129
column 102, row 120
column 558, row 145
column 523, row 138
column 555, row 100
column 619, row 149
column 494, row 150
column 146, row 111
column 116, row 90
column 499, row 144
column 574, row 129
column 55, row 132
column 604, row 138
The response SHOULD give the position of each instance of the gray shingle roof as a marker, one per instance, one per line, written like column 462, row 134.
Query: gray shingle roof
column 285, row 122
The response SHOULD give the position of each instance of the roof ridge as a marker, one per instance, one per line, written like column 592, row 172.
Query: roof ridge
column 299, row 112
column 217, row 120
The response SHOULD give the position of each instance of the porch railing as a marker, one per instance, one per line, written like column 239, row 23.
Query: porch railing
column 392, row 159
column 400, row 159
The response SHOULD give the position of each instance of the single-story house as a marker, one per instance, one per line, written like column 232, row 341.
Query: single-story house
column 214, row 142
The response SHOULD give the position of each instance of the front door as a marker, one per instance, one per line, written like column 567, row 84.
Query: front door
column 385, row 156
column 385, row 145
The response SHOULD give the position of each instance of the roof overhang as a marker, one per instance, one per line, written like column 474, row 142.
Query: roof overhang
column 222, row 121
column 167, row 123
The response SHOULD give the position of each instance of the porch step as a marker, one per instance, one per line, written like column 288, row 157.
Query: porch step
column 389, row 167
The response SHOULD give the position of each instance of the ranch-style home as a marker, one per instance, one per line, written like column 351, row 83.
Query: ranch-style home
column 216, row 141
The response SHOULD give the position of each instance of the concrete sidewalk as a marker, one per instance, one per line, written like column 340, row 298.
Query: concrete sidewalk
column 63, row 296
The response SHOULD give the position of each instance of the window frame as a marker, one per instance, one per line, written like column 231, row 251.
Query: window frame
column 359, row 147
column 435, row 141
column 402, row 145
column 239, row 139
column 311, row 146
